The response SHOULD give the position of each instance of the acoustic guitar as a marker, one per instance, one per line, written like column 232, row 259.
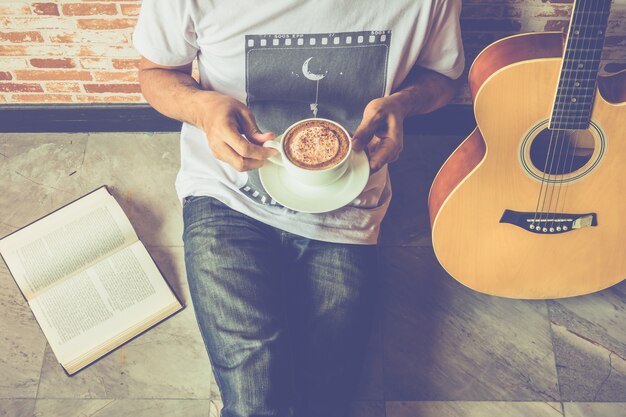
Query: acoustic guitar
column 533, row 203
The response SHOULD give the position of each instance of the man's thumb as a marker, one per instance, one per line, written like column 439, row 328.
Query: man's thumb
column 251, row 130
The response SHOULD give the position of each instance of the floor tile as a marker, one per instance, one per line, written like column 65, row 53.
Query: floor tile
column 117, row 408
column 171, row 263
column 36, row 172
column 595, row 409
column 590, row 345
column 443, row 341
column 472, row 409
column 141, row 169
column 407, row 221
column 17, row 407
column 371, row 384
column 46, row 171
column 21, row 342
column 367, row 409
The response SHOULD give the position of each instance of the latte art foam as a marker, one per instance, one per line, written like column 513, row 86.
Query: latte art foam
column 316, row 144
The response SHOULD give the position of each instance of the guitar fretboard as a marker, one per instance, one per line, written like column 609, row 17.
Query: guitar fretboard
column 575, row 93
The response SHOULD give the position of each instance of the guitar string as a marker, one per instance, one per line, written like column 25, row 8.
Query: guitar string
column 601, row 32
column 578, row 18
column 571, row 62
column 539, row 212
column 555, row 128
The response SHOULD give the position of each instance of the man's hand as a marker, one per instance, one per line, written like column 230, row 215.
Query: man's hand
column 381, row 131
column 173, row 92
column 224, row 120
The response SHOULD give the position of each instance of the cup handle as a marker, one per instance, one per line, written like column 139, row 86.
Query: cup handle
column 276, row 159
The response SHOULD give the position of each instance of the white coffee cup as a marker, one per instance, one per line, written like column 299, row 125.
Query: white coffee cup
column 313, row 177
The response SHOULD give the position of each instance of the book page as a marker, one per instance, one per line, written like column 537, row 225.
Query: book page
column 66, row 241
column 88, row 309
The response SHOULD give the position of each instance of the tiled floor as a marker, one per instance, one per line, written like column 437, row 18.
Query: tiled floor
column 438, row 349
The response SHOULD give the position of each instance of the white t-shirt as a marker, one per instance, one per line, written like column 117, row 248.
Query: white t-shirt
column 294, row 59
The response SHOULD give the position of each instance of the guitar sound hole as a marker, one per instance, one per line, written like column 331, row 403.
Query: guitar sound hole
column 560, row 152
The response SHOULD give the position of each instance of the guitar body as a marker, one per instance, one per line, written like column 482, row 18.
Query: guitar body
column 513, row 83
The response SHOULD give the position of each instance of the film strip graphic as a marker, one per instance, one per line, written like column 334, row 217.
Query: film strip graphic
column 291, row 77
column 319, row 39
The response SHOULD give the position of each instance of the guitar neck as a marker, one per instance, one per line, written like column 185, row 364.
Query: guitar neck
column 576, row 88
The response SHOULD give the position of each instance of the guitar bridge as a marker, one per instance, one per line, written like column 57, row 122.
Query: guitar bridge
column 549, row 223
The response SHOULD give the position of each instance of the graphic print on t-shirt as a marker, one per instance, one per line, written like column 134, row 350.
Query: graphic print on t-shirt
column 300, row 76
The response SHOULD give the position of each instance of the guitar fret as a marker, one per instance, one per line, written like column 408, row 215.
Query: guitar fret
column 566, row 109
column 570, row 118
column 578, row 112
column 584, row 59
column 574, row 101
column 585, row 49
column 574, row 89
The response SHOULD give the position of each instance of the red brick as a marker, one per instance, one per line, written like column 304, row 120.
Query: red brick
column 33, row 22
column 115, row 76
column 112, row 88
column 615, row 67
column 486, row 25
column 482, row 10
column 557, row 25
column 130, row 9
column 12, row 50
column 65, row 37
column 62, row 87
column 42, row 98
column 14, row 8
column 20, row 88
column 52, row 75
column 95, row 63
column 106, row 23
column 78, row 9
column 91, row 98
column 52, row 63
column 49, row 9
column 556, row 11
column 19, row 37
column 615, row 41
column 5, row 76
column 126, row 63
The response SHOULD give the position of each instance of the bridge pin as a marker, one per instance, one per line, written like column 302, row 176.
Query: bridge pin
column 551, row 229
column 558, row 228
column 565, row 228
column 545, row 229
column 532, row 227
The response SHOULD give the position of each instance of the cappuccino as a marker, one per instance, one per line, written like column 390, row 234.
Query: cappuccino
column 316, row 144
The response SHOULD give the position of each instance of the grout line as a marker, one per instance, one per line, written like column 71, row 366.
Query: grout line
column 109, row 398
column 43, row 360
column 556, row 367
column 358, row 401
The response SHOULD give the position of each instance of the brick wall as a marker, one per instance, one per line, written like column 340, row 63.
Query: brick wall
column 73, row 51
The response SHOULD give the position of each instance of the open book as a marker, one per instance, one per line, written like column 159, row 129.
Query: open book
column 88, row 279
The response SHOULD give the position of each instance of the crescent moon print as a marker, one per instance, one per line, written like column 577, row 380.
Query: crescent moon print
column 308, row 74
column 313, row 77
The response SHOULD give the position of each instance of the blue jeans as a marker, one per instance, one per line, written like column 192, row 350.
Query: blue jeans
column 285, row 319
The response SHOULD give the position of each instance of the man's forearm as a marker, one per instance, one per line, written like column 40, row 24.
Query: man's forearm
column 172, row 93
column 424, row 91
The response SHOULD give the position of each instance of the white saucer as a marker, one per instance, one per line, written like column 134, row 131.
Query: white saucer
column 309, row 199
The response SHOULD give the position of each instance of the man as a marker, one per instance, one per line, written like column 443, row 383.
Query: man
column 284, row 299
